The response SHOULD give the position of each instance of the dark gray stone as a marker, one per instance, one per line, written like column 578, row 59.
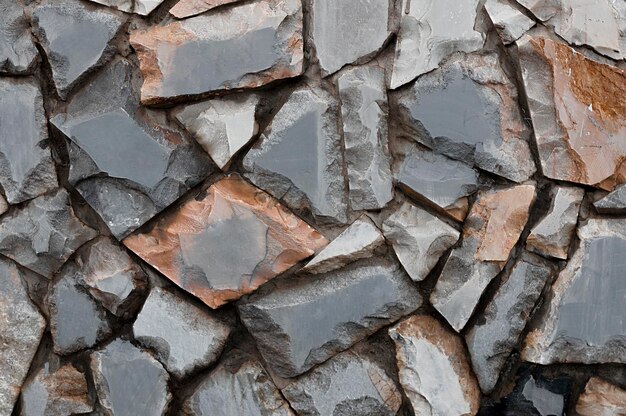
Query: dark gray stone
column 17, row 51
column 613, row 203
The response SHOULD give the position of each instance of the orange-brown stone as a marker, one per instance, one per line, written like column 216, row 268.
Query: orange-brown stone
column 601, row 398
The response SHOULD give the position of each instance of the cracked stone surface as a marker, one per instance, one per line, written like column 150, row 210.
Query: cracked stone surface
column 303, row 323
column 188, row 8
column 601, row 398
column 510, row 22
column 433, row 368
column 142, row 7
column 226, row 242
column 248, row 45
column 614, row 202
column 184, row 336
column 345, row 385
column 17, row 51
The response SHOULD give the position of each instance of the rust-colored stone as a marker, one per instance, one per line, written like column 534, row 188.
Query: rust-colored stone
column 601, row 398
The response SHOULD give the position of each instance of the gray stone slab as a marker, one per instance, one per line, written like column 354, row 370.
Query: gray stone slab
column 17, row 50
column 510, row 22
column 613, row 203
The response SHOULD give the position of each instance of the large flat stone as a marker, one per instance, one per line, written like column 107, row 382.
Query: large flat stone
column 601, row 398
column 510, row 22
column 17, row 51
column 188, row 8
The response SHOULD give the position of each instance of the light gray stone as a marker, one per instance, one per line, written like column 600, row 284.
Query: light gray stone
column 542, row 9
column 613, row 203
column 508, row 20
column 17, row 51
column 141, row 7
column 544, row 401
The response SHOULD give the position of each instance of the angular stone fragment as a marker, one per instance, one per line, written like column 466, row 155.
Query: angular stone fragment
column 42, row 234
column 299, row 158
column 226, row 242
column 491, row 230
column 433, row 368
column 468, row 110
column 21, row 328
column 188, row 8
column 4, row 205
column 364, row 112
column 492, row 339
column 613, row 203
column 583, row 322
column 303, row 323
column 76, row 39
column 510, row 22
column 129, row 381
column 222, row 126
column 578, row 113
column 238, row 386
column 430, row 31
column 418, row 238
column 542, row 9
column 142, row 7
column 552, row 235
column 246, row 46
column 345, row 385
column 601, row 398
column 26, row 167
column 184, row 336
column 17, row 51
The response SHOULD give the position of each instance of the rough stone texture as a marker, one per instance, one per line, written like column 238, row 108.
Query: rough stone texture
column 468, row 110
column 42, row 234
column 582, row 322
column 302, row 323
column 188, row 8
column 184, row 336
column 299, row 159
column 358, row 241
column 345, row 385
column 76, row 39
column 542, row 9
column 601, row 398
column 4, row 205
column 21, row 328
column 364, row 114
column 247, row 46
column 222, row 126
column 129, row 381
column 418, row 238
column 492, row 339
column 552, row 235
column 614, row 202
column 433, row 368
column 577, row 112
column 491, row 230
column 509, row 21
column 430, row 31
column 122, row 152
column 142, row 7
column 226, row 242
column 26, row 168
column 17, row 51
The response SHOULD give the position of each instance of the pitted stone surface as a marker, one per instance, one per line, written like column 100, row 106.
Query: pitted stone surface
column 188, row 8
column 510, row 22
column 17, row 51
column 601, row 398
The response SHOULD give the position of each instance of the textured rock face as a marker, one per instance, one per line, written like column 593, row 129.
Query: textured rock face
column 345, row 385
column 188, row 8
column 26, row 168
column 184, row 336
column 17, row 51
column 21, row 328
column 576, row 113
column 468, row 111
column 43, row 234
column 300, row 324
column 613, row 203
column 601, row 398
column 248, row 45
column 418, row 238
column 542, row 9
column 552, row 235
column 226, row 242
column 142, row 7
column 221, row 126
column 299, row 158
column 491, row 341
column 509, row 21
column 582, row 321
column 430, row 31
column 129, row 381
column 433, row 368
column 364, row 114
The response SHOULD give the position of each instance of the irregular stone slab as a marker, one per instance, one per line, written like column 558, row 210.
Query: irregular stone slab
column 345, row 385
column 433, row 368
column 221, row 126
column 188, row 8
column 226, row 242
column 577, row 113
column 42, row 234
column 542, row 9
column 303, row 323
column 21, row 328
column 582, row 323
column 123, row 5
column 184, row 336
column 248, row 46
column 493, row 338
column 418, row 238
column 26, row 167
column 17, row 51
column 238, row 386
column 491, row 230
column 601, row 398
column 552, row 235
column 614, row 202
column 76, row 39
column 510, row 22
column 299, row 159
column 364, row 112
column 468, row 110
column 129, row 381
column 430, row 31
column 142, row 7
